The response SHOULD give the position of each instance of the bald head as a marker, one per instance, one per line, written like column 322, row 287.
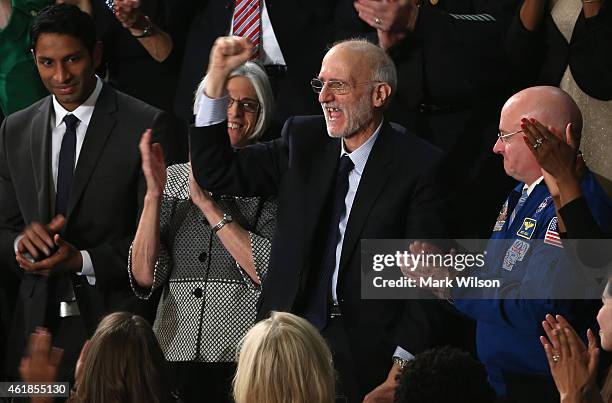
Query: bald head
column 370, row 57
column 551, row 106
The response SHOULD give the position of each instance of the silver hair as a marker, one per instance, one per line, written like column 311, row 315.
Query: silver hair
column 259, row 79
column 382, row 67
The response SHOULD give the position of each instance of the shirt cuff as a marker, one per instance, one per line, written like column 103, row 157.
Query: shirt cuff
column 16, row 242
column 403, row 354
column 88, row 269
column 211, row 111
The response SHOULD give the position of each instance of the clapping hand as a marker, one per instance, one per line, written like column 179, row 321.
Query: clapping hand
column 153, row 165
column 42, row 361
column 572, row 364
column 562, row 164
column 391, row 18
column 128, row 13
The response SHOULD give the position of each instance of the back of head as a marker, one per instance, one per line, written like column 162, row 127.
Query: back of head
column 284, row 359
column 64, row 19
column 444, row 375
column 124, row 363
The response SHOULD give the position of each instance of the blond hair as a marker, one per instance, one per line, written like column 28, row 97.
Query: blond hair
column 284, row 359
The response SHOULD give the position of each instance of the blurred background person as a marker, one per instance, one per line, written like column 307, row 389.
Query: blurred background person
column 284, row 359
column 141, row 58
column 209, row 254
column 291, row 37
column 443, row 375
column 567, row 43
column 122, row 362
column 20, row 85
column 452, row 83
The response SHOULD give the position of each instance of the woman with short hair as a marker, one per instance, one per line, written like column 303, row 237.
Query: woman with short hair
column 209, row 253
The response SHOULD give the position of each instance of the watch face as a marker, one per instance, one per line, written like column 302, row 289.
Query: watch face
column 227, row 217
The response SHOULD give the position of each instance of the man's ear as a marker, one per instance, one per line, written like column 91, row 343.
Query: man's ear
column 381, row 95
column 97, row 54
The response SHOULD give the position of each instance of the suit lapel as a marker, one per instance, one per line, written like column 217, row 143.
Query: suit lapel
column 100, row 126
column 373, row 180
column 320, row 181
column 40, row 151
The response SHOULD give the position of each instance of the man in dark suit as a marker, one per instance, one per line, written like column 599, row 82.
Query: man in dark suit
column 71, row 188
column 340, row 178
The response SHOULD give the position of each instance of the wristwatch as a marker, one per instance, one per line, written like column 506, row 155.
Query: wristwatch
column 147, row 30
column 225, row 220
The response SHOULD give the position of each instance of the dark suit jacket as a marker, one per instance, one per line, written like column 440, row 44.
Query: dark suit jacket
column 104, row 204
column 303, row 30
column 396, row 198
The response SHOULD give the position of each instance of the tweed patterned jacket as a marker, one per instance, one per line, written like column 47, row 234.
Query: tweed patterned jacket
column 208, row 302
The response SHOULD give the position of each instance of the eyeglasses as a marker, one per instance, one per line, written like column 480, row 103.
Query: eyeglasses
column 505, row 138
column 247, row 105
column 336, row 86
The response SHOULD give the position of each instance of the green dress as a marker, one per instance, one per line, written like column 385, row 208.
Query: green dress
column 20, row 85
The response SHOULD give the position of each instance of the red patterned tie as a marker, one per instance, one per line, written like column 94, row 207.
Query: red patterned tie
column 247, row 22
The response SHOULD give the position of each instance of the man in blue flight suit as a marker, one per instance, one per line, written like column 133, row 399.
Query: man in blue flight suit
column 509, row 325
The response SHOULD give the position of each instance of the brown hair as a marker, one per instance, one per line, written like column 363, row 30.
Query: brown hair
column 124, row 363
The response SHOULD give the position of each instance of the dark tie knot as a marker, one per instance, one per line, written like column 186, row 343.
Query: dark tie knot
column 346, row 165
column 71, row 122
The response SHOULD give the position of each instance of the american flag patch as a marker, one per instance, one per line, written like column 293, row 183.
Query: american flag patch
column 552, row 234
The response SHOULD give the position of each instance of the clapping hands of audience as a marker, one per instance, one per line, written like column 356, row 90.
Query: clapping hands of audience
column 41, row 362
column 562, row 165
column 392, row 19
column 560, row 160
column 42, row 251
column 153, row 165
column 572, row 364
column 128, row 13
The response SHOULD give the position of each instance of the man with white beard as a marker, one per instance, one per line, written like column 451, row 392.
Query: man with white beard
column 342, row 177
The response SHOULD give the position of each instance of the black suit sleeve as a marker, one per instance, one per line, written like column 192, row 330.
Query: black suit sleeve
column 11, row 221
column 429, row 217
column 255, row 170
column 110, row 259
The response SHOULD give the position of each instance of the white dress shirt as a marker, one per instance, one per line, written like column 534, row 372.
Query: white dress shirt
column 58, row 128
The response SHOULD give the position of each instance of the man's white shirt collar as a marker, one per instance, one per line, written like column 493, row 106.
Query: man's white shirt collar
column 361, row 154
column 533, row 185
column 83, row 112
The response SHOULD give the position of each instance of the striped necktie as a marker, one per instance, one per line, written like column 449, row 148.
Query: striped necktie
column 247, row 22
column 519, row 204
